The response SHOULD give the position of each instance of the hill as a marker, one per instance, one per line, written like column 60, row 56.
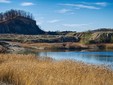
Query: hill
column 18, row 22
column 102, row 30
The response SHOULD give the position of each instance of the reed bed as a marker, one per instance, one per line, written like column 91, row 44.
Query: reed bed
column 19, row 69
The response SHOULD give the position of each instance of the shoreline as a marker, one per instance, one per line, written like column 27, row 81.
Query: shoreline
column 68, row 46
column 11, row 46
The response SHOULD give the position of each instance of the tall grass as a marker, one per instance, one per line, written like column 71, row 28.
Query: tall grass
column 32, row 70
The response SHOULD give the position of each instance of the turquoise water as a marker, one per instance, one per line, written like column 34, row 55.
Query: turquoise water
column 97, row 57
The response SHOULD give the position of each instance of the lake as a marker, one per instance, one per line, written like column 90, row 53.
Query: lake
column 93, row 57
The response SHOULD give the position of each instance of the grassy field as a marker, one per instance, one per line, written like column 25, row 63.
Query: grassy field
column 32, row 70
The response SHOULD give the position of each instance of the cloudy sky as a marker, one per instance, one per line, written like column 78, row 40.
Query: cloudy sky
column 66, row 15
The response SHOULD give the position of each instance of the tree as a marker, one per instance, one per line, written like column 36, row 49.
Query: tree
column 1, row 16
column 15, row 13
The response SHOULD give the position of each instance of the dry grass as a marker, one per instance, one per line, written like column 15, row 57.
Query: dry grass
column 67, row 45
column 42, row 45
column 31, row 70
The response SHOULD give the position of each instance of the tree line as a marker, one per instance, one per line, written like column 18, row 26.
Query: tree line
column 14, row 13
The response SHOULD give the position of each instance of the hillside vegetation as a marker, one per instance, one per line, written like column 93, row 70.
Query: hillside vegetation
column 83, row 37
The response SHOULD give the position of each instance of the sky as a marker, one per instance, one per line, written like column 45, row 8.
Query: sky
column 66, row 15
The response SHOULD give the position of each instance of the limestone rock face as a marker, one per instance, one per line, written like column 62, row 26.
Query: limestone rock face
column 20, row 25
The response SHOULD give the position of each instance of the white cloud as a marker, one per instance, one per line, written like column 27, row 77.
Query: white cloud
column 62, row 11
column 27, row 4
column 5, row 1
column 102, row 3
column 53, row 21
column 81, row 6
column 87, row 5
column 74, row 25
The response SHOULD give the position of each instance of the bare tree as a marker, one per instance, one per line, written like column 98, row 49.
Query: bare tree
column 15, row 13
column 1, row 16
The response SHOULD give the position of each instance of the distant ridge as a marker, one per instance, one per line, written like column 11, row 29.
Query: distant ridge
column 102, row 30
column 18, row 22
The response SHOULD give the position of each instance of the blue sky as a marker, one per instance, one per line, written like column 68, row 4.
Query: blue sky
column 66, row 15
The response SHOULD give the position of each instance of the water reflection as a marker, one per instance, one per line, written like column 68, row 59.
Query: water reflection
column 102, row 57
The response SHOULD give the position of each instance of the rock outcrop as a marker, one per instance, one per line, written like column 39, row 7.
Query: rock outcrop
column 20, row 25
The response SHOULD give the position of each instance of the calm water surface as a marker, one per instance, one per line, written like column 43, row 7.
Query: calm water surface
column 97, row 57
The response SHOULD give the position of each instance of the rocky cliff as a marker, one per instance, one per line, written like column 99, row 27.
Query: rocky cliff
column 20, row 25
